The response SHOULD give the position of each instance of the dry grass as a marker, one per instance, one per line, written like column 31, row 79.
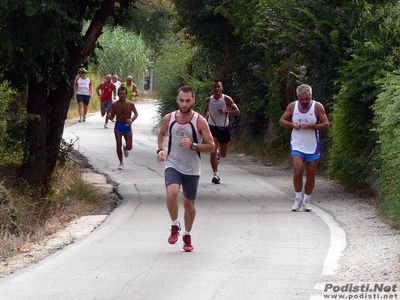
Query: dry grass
column 26, row 219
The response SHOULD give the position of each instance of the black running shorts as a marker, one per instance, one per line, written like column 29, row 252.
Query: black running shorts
column 223, row 134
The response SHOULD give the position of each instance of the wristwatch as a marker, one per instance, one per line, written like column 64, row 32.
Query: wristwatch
column 194, row 146
column 159, row 150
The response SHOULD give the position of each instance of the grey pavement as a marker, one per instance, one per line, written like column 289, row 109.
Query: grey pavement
column 248, row 244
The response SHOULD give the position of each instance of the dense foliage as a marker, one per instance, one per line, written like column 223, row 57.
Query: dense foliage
column 153, row 21
column 262, row 49
column 122, row 52
column 387, row 152
column 12, row 124
column 373, row 55
column 171, row 68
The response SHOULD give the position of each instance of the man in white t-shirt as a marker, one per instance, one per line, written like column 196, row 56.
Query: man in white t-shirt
column 83, row 93
column 117, row 84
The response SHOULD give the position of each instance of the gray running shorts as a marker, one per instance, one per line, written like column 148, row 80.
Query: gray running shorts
column 189, row 183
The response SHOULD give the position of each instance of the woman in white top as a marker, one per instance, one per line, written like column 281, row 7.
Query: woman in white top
column 83, row 92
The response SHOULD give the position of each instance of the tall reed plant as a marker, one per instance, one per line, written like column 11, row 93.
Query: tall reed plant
column 123, row 53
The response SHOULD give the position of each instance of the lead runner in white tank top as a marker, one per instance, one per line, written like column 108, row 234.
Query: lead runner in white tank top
column 305, row 141
column 184, row 160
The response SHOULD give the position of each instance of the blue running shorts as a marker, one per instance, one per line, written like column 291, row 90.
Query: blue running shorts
column 307, row 157
column 122, row 127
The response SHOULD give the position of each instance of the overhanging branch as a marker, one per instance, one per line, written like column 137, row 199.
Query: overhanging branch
column 96, row 26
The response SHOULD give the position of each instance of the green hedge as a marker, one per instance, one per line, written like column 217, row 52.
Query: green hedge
column 387, row 154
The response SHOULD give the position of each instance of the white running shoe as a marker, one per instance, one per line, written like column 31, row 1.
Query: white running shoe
column 84, row 119
column 80, row 119
column 126, row 152
column 121, row 166
column 306, row 205
column 297, row 204
column 105, row 126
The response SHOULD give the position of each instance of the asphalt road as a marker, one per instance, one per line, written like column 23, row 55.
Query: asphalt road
column 248, row 244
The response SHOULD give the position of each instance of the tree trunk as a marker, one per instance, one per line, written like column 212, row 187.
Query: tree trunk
column 45, row 132
column 50, row 105
column 34, row 169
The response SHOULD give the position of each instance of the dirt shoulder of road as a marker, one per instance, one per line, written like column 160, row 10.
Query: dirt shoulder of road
column 371, row 255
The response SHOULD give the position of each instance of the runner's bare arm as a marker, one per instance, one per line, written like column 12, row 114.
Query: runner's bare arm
column 233, row 109
column 99, row 87
column 135, row 113
column 135, row 91
column 286, row 119
column 206, row 112
column 162, row 139
column 208, row 141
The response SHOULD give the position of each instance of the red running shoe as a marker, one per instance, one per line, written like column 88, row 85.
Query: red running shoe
column 187, row 243
column 174, row 237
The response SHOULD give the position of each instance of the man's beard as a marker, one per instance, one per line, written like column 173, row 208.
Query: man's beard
column 188, row 110
column 305, row 105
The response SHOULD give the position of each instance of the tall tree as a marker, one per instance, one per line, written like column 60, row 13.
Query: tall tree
column 41, row 53
column 153, row 21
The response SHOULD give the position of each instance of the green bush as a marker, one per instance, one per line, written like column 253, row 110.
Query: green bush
column 12, row 124
column 387, row 125
column 351, row 136
column 374, row 55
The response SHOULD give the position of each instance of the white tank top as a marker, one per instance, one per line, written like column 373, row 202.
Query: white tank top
column 184, row 160
column 306, row 141
column 216, row 118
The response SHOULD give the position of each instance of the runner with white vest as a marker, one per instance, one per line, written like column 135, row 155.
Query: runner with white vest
column 219, row 107
column 306, row 117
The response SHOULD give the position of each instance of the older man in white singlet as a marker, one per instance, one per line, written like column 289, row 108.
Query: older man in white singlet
column 306, row 117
